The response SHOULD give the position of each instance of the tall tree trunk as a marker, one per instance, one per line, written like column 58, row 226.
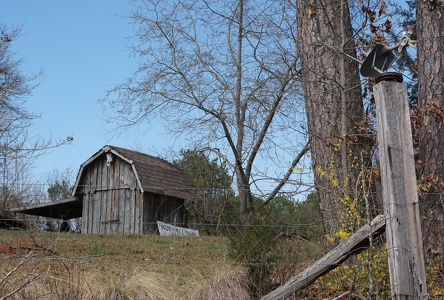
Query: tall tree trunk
column 332, row 99
column 241, row 107
column 430, row 28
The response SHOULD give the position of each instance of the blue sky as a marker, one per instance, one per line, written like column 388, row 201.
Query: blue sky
column 82, row 47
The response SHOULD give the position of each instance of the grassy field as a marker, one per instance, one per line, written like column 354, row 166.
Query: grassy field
column 48, row 265
column 51, row 265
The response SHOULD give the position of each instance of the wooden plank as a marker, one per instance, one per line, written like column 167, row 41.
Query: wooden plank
column 131, row 216
column 91, row 213
column 88, row 183
column 86, row 204
column 145, row 213
column 357, row 243
column 96, row 217
column 85, row 210
column 120, row 195
column 89, row 219
column 129, row 200
column 399, row 191
column 114, row 167
column 105, row 196
column 121, row 214
column 116, row 198
column 139, row 213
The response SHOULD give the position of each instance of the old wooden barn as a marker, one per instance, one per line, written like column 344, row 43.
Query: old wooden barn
column 122, row 191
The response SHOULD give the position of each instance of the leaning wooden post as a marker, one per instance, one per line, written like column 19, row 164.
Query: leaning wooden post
column 399, row 191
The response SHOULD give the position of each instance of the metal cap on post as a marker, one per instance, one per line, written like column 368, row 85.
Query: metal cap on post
column 389, row 76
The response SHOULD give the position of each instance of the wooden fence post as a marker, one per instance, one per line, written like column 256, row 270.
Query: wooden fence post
column 399, row 191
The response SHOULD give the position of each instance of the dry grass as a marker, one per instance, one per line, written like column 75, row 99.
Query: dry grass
column 100, row 286
column 74, row 266
column 227, row 283
column 138, row 285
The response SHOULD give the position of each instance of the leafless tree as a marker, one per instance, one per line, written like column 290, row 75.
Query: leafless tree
column 18, row 147
column 225, row 75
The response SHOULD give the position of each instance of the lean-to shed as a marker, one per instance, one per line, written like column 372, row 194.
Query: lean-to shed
column 126, row 192
column 122, row 191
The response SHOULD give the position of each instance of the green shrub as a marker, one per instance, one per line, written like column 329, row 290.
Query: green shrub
column 254, row 246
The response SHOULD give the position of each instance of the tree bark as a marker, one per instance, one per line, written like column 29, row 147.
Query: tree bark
column 430, row 30
column 332, row 98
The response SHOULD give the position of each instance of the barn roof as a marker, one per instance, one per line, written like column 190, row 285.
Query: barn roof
column 154, row 174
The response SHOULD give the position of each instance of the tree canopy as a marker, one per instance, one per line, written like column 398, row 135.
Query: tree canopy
column 214, row 197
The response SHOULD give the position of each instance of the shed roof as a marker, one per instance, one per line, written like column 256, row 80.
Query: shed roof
column 154, row 174
column 63, row 209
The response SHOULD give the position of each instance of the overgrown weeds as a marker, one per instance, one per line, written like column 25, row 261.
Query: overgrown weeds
column 268, row 256
column 254, row 247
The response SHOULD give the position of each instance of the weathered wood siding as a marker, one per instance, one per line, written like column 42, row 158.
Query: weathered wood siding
column 162, row 208
column 112, row 202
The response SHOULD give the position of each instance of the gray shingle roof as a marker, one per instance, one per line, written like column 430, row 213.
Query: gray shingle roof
column 158, row 175
column 154, row 174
